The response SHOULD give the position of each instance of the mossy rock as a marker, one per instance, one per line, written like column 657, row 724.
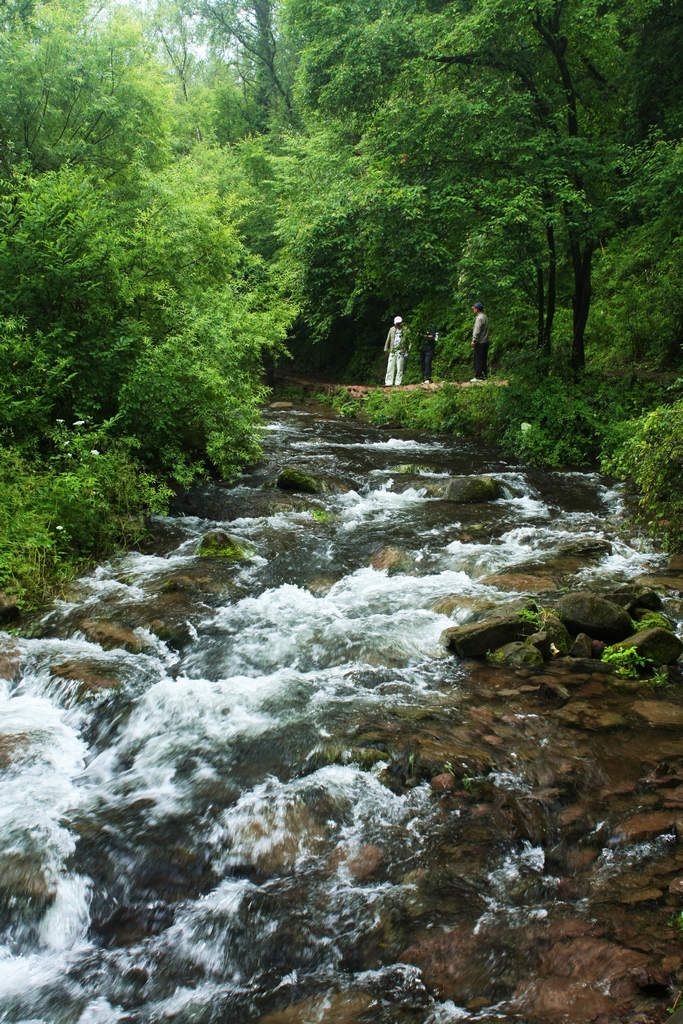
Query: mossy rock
column 648, row 619
column 517, row 655
column 470, row 490
column 557, row 633
column 292, row 479
column 415, row 469
column 660, row 646
column 218, row 544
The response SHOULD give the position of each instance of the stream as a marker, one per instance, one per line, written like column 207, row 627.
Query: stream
column 276, row 798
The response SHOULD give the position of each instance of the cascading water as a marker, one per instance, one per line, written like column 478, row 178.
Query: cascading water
column 237, row 830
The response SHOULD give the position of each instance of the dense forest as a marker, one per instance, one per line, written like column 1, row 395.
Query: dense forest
column 195, row 191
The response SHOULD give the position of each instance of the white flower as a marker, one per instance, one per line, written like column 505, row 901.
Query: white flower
column 79, row 423
column 94, row 451
column 59, row 421
column 59, row 527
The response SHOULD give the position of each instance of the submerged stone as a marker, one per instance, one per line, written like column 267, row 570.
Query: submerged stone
column 110, row 635
column 92, row 676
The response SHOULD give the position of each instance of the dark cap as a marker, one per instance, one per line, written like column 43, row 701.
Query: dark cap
column 478, row 305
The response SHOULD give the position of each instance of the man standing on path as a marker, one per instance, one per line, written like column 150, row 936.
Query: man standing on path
column 427, row 353
column 398, row 347
column 480, row 341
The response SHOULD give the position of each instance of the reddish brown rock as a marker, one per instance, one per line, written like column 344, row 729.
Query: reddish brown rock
column 111, row 635
column 392, row 559
column 10, row 660
column 366, row 863
column 646, row 826
column 443, row 783
column 335, row 1008
column 90, row 674
column 659, row 713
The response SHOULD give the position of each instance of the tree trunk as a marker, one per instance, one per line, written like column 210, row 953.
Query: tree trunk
column 581, row 262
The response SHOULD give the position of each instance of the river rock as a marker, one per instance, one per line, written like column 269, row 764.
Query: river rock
column 336, row 1008
column 523, row 582
column 366, row 863
column 475, row 639
column 632, row 596
column 219, row 544
column 9, row 607
column 470, row 490
column 585, row 612
column 659, row 713
column 110, row 635
column 659, row 645
column 647, row 826
column 517, row 655
column 10, row 660
column 670, row 582
column 92, row 676
column 393, row 559
column 23, row 880
column 293, row 479
column 582, row 647
column 13, row 745
column 647, row 619
column 452, row 963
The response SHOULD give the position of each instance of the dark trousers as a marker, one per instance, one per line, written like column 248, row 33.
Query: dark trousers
column 426, row 356
column 480, row 356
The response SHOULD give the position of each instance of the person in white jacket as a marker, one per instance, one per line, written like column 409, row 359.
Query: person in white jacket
column 398, row 347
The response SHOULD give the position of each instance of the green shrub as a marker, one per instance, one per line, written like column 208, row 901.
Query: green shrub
column 649, row 453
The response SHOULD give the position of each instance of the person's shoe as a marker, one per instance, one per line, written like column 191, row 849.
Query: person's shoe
column 473, row 380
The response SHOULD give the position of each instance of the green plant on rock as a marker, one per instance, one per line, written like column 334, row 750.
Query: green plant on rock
column 627, row 662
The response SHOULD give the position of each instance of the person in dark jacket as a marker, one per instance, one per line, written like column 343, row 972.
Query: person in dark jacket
column 480, row 341
column 429, row 340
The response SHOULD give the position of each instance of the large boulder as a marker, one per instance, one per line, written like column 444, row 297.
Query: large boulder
column 9, row 607
column 633, row 595
column 470, row 490
column 585, row 612
column 475, row 639
column 293, row 479
column 219, row 544
column 91, row 675
column 659, row 645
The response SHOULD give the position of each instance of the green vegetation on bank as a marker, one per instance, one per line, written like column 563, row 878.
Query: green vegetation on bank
column 191, row 192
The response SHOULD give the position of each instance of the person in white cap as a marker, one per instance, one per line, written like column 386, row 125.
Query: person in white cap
column 398, row 347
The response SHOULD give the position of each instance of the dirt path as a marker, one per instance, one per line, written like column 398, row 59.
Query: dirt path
column 358, row 390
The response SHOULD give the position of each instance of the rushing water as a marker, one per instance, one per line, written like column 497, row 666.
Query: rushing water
column 223, row 836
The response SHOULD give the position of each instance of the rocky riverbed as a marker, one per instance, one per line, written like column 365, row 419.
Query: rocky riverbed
column 389, row 732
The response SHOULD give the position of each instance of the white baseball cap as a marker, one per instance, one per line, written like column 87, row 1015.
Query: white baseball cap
column 398, row 319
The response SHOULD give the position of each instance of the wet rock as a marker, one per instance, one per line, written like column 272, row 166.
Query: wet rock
column 416, row 469
column 321, row 585
column 523, row 582
column 474, row 606
column 111, row 635
column 334, row 1008
column 633, row 596
column 582, row 715
column 172, row 633
column 12, row 746
column 470, row 490
column 648, row 826
column 23, row 881
column 443, row 783
column 293, row 479
column 676, row 563
column 659, row 713
column 676, row 889
column 663, row 582
column 517, row 655
column 594, row 547
column 453, row 964
column 475, row 639
column 585, row 612
column 557, row 633
column 219, row 544
column 9, row 607
column 661, row 646
column 366, row 863
column 10, row 660
column 582, row 647
column 393, row 559
column 577, row 666
column 547, row 1000
column 281, row 405
column 92, row 676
